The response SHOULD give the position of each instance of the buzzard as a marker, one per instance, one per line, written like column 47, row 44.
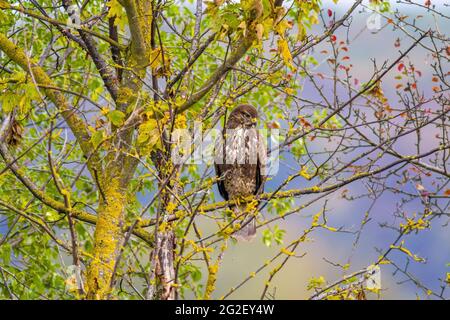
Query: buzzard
column 240, row 163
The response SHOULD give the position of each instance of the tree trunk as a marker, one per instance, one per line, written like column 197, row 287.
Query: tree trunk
column 107, row 239
column 166, row 241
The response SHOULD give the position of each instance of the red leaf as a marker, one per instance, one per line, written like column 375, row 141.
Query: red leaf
column 330, row 13
column 333, row 38
column 400, row 67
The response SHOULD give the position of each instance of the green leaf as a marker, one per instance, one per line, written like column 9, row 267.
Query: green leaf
column 278, row 235
column 116, row 117
column 196, row 274
column 7, row 100
column 52, row 215
column 146, row 130
column 6, row 253
column 97, row 138
column 267, row 237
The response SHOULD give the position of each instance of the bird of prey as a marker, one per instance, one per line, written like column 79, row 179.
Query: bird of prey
column 240, row 163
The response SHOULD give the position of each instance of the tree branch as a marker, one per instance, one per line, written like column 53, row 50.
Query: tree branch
column 220, row 72
column 5, row 5
column 76, row 124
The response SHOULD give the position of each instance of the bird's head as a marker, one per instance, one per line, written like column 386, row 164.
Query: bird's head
column 244, row 115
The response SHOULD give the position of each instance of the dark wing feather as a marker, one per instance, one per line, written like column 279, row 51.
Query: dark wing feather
column 259, row 179
column 220, row 182
column 220, row 167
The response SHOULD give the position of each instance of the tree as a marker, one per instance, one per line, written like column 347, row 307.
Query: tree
column 93, row 91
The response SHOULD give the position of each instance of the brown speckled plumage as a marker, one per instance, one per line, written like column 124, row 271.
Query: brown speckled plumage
column 242, row 166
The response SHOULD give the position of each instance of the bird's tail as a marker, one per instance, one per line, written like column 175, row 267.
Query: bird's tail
column 248, row 228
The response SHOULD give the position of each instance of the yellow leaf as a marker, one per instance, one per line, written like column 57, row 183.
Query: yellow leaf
column 330, row 228
column 213, row 269
column 155, row 58
column 316, row 282
column 315, row 221
column 105, row 111
column 304, row 173
column 384, row 261
column 283, row 49
column 287, row 252
column 289, row 91
column 162, row 227
column 116, row 11
column 408, row 252
column 171, row 207
column 259, row 31
column 282, row 26
column 411, row 225
column 146, row 129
